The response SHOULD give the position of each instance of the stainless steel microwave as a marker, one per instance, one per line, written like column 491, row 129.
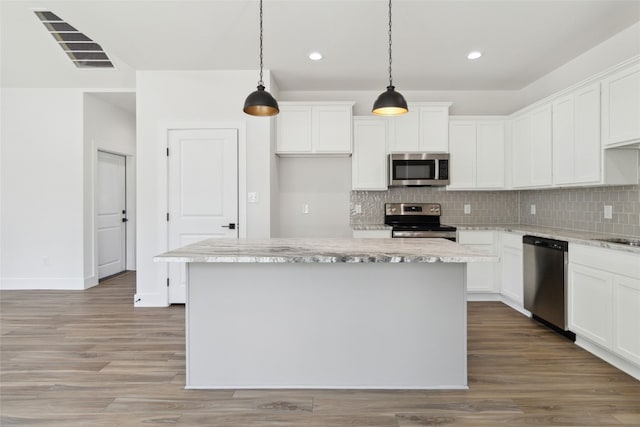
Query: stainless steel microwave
column 418, row 169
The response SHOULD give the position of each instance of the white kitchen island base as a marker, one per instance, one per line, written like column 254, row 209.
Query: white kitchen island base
column 326, row 325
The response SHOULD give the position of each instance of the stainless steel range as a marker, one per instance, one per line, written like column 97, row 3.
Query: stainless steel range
column 417, row 220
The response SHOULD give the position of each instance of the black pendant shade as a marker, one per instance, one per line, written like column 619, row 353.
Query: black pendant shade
column 390, row 103
column 261, row 103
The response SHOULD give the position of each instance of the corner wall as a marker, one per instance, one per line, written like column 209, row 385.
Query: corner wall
column 194, row 99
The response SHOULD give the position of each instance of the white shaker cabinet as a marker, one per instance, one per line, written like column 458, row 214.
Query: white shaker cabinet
column 511, row 278
column 369, row 159
column 481, row 276
column 604, row 304
column 314, row 128
column 476, row 149
column 621, row 107
column 425, row 128
column 576, row 137
column 532, row 148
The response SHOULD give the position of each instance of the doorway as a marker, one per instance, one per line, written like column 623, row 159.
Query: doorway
column 202, row 193
column 112, row 210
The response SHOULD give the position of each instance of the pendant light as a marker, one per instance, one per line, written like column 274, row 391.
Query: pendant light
column 390, row 103
column 260, row 102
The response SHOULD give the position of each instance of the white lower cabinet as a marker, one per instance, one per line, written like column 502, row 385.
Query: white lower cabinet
column 511, row 279
column 604, row 304
column 481, row 276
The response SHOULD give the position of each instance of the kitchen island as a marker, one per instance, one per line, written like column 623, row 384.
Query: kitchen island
column 326, row 313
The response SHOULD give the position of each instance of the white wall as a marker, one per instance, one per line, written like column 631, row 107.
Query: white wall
column 112, row 129
column 175, row 99
column 324, row 184
column 42, row 189
column 613, row 51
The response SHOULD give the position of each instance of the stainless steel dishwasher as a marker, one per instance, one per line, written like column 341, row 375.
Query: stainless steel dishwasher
column 545, row 281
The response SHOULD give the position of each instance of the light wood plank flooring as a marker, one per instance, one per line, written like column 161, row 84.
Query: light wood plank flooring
column 90, row 359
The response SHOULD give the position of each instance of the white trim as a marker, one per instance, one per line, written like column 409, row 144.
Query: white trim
column 483, row 296
column 606, row 355
column 151, row 300
column 42, row 283
column 595, row 78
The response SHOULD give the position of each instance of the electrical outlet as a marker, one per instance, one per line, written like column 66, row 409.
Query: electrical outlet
column 252, row 197
column 358, row 209
column 305, row 208
column 533, row 209
column 467, row 209
column 608, row 212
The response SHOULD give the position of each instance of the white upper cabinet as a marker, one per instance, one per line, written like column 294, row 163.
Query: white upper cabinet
column 476, row 149
column 314, row 128
column 576, row 137
column 621, row 107
column 425, row 128
column 532, row 148
column 369, row 160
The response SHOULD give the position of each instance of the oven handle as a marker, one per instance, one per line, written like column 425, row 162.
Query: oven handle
column 420, row 234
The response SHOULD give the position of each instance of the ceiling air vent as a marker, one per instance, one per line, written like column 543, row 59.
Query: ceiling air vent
column 83, row 52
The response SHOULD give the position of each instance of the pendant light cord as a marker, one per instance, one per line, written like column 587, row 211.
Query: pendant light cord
column 390, row 78
column 260, row 82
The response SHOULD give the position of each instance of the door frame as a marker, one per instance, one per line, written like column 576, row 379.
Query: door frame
column 163, row 176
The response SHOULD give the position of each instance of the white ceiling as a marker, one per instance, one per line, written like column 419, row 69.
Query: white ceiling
column 521, row 40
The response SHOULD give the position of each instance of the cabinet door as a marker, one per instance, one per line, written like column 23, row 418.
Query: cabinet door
column 294, row 130
column 331, row 132
column 626, row 322
column 512, row 279
column 404, row 132
column 434, row 129
column 521, row 151
column 480, row 275
column 587, row 147
column 563, row 138
column 490, row 154
column 621, row 107
column 541, row 146
column 590, row 304
column 462, row 154
column 369, row 160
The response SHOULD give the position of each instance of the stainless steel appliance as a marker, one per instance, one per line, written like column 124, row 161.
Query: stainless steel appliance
column 545, row 281
column 418, row 169
column 417, row 220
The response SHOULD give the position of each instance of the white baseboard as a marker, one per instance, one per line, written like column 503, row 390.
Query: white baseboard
column 609, row 357
column 90, row 282
column 515, row 305
column 483, row 296
column 42, row 283
column 150, row 300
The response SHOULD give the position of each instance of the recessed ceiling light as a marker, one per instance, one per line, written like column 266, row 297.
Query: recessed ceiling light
column 474, row 55
column 315, row 56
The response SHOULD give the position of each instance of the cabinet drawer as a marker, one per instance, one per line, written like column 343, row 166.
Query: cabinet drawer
column 611, row 260
column 512, row 240
column 475, row 237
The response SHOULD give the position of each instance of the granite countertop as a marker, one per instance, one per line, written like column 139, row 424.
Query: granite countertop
column 360, row 227
column 338, row 250
column 572, row 236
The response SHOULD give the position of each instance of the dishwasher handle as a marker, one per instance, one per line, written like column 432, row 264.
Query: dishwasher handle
column 559, row 245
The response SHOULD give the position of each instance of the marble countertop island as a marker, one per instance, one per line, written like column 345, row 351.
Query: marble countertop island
column 329, row 250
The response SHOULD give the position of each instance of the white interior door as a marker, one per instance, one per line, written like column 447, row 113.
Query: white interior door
column 203, row 193
column 111, row 212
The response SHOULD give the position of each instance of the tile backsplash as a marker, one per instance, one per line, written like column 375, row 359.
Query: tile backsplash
column 487, row 207
column 573, row 208
column 583, row 209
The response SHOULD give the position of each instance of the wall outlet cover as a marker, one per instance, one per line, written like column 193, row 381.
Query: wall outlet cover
column 467, row 209
column 533, row 209
column 608, row 212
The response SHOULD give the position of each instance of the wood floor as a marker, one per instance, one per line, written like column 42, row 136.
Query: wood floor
column 90, row 359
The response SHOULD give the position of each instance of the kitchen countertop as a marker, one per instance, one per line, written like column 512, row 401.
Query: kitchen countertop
column 573, row 236
column 334, row 250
